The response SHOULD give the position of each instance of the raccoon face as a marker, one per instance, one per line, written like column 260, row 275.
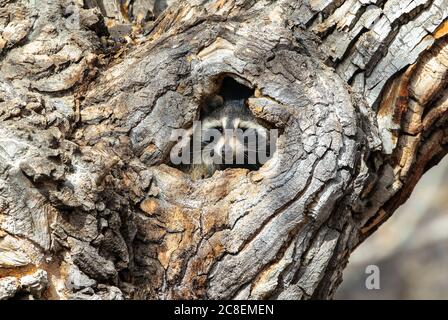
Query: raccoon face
column 228, row 135
column 230, row 131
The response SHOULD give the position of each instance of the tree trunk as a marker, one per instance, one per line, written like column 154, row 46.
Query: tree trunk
column 90, row 207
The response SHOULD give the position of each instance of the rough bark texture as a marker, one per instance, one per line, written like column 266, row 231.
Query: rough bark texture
column 89, row 208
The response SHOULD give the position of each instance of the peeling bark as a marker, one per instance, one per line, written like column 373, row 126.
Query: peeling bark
column 90, row 92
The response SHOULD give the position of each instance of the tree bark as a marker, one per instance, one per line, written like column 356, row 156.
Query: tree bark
column 91, row 209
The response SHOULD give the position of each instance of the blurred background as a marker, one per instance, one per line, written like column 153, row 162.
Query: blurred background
column 411, row 248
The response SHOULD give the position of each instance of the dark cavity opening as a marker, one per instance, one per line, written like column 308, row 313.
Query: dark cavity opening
column 233, row 90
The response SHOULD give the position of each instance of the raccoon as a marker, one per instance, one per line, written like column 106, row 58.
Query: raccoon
column 234, row 122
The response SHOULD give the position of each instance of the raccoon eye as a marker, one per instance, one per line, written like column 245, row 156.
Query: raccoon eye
column 220, row 129
column 244, row 130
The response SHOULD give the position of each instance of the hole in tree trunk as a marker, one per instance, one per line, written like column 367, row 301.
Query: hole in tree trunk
column 227, row 135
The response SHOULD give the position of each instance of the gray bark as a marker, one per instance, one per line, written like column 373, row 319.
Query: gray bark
column 88, row 202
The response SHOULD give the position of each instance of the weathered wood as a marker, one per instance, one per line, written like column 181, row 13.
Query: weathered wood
column 86, row 193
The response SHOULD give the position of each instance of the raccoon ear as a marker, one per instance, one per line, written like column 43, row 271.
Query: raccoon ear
column 212, row 103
